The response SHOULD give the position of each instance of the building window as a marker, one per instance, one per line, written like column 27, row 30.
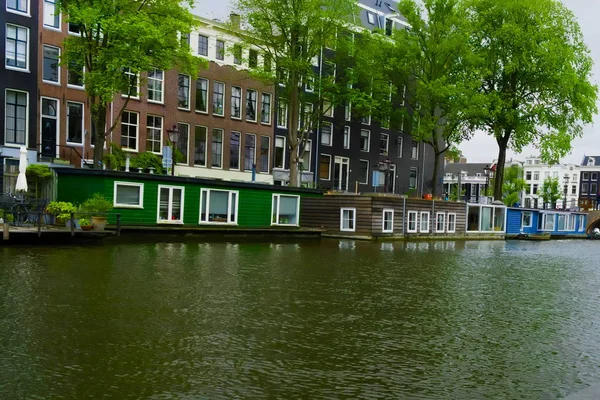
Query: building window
column 155, row 85
column 412, row 222
column 154, row 129
column 265, row 112
column 183, row 92
column 424, row 223
column 200, row 145
column 251, row 105
column 593, row 188
column 16, row 46
column 202, row 45
column 363, row 172
column 413, row 178
column 74, row 28
column 528, row 175
column 74, row 122
column 129, row 130
column 594, row 176
column 133, row 83
column 218, row 206
column 20, row 6
column 16, row 117
column 346, row 137
column 328, row 110
column 526, row 220
column 451, row 223
column 266, row 63
column 414, row 150
column 325, row 167
column 279, row 161
column 236, row 102
column 51, row 14
column 282, row 115
column 574, row 189
column 584, row 188
column 202, row 95
column 252, row 58
column 218, row 101
column 586, row 176
column 75, row 74
column 348, row 111
column 182, row 145
column 305, row 161
column 49, row 128
column 217, row 148
column 399, row 143
column 388, row 221
column 306, row 118
column 234, row 150
column 285, row 210
column 249, row 151
column 237, row 54
column 384, row 144
column 185, row 39
column 265, row 150
column 170, row 204
column 534, row 189
column 326, row 134
column 536, row 176
column 370, row 18
column 348, row 219
column 220, row 55
column 128, row 195
column 50, row 68
column 365, row 139
column 440, row 222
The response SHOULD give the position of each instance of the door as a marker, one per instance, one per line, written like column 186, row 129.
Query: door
column 391, row 183
column 340, row 173
column 49, row 127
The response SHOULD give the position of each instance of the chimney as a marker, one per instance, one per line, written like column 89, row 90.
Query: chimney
column 234, row 19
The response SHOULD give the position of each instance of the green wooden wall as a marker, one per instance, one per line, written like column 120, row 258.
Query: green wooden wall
column 254, row 204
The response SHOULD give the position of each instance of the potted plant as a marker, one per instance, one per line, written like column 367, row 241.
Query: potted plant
column 98, row 206
column 61, row 210
column 85, row 224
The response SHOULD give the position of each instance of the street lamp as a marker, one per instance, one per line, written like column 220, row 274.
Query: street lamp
column 486, row 172
column 566, row 189
column 384, row 166
column 174, row 138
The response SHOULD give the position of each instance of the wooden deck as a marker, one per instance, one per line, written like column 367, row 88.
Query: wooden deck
column 49, row 234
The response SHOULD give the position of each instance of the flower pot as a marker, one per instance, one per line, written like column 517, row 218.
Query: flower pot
column 98, row 223
column 87, row 227
column 68, row 224
column 427, row 196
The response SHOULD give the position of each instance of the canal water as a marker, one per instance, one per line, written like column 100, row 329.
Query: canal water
column 322, row 319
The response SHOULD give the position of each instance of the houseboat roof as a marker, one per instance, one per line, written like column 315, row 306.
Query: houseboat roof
column 180, row 179
column 546, row 211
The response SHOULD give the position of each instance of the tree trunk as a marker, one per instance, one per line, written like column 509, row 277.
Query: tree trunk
column 100, row 134
column 499, row 173
column 293, row 117
column 434, row 178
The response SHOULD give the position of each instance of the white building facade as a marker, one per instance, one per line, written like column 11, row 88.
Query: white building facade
column 535, row 172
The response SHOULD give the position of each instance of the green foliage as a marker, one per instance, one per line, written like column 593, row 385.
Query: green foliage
column 550, row 191
column 97, row 204
column 454, row 194
column 147, row 160
column 534, row 72
column 61, row 210
column 292, row 34
column 121, row 34
column 84, row 222
column 9, row 216
column 513, row 186
column 454, row 154
column 39, row 172
column 116, row 159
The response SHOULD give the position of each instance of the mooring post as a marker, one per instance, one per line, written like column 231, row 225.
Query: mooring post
column 118, row 224
column 72, row 224
column 39, row 221
column 5, row 227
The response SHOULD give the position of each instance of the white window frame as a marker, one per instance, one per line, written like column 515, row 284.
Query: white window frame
column 347, row 136
column 399, row 146
column 424, row 217
column 127, row 71
column 545, row 219
column 189, row 93
column 206, row 97
column 282, row 124
column 25, row 13
column 137, row 132
column 206, row 139
column 383, row 219
column 169, row 221
column 523, row 219
column 162, row 127
column 212, row 97
column 330, row 142
column 565, row 222
column 229, row 204
column 82, row 124
column 582, row 223
column 437, row 222
column 162, row 87
column 28, row 43
column 329, row 172
column 262, row 96
column 413, row 218
column 57, row 118
column 284, row 151
column 451, row 221
column 51, row 27
column 307, row 147
column 130, row 184
column 368, row 170
column 57, row 83
column 248, row 98
column 9, row 144
column 353, row 219
column 387, row 144
column 368, row 140
column 278, row 197
column 418, row 147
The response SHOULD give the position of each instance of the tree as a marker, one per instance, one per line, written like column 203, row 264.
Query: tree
column 550, row 191
column 118, row 40
column 291, row 34
column 513, row 186
column 430, row 60
column 534, row 71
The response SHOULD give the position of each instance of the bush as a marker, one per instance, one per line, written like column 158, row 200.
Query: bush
column 97, row 204
column 61, row 210
column 84, row 222
column 147, row 160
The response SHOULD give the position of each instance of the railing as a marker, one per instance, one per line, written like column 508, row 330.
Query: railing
column 72, row 149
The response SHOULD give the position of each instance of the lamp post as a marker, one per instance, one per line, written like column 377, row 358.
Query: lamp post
column 384, row 166
column 173, row 138
column 486, row 172
column 566, row 189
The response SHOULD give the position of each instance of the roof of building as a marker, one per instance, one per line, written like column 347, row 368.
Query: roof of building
column 586, row 160
column 472, row 169
column 383, row 8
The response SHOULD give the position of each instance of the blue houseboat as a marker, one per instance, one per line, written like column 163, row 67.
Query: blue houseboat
column 534, row 223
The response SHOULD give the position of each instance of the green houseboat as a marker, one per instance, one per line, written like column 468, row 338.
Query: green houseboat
column 151, row 200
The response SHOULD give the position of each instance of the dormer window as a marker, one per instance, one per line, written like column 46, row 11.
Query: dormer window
column 591, row 161
column 371, row 18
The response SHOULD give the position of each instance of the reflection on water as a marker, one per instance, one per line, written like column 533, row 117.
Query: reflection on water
column 313, row 319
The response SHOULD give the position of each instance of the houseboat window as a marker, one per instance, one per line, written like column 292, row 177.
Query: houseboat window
column 285, row 210
column 548, row 222
column 473, row 218
column 582, row 223
column 562, row 222
column 451, row 223
column 170, row 204
column 218, row 206
column 424, row 225
column 388, row 221
column 486, row 219
column 526, row 220
column 440, row 222
column 499, row 219
column 128, row 195
column 348, row 219
column 412, row 222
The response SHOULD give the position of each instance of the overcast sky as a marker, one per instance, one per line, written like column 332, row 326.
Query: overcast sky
column 482, row 148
